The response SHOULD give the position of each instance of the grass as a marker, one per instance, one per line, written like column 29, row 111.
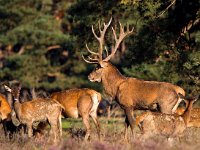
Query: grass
column 112, row 139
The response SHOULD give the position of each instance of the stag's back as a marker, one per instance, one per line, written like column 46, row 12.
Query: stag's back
column 145, row 92
column 5, row 108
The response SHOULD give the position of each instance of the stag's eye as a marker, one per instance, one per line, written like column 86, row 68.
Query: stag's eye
column 97, row 68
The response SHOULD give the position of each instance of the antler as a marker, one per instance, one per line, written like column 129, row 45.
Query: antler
column 122, row 35
column 100, row 38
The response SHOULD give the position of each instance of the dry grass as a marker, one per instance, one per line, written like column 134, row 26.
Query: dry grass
column 112, row 139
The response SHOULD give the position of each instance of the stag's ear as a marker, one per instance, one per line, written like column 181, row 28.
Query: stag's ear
column 7, row 88
column 103, row 64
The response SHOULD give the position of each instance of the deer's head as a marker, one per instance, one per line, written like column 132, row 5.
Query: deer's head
column 14, row 91
column 97, row 57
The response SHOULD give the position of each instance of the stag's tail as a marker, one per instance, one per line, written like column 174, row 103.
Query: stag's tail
column 181, row 97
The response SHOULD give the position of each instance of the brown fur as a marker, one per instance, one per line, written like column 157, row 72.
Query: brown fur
column 80, row 102
column 38, row 110
column 5, row 112
column 132, row 93
column 195, row 116
column 5, row 108
column 155, row 123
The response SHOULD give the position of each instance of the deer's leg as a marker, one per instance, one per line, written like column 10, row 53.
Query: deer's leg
column 84, row 106
column 87, row 125
column 129, row 121
column 30, row 130
column 126, row 124
column 60, row 125
column 5, row 127
column 96, row 122
column 54, row 128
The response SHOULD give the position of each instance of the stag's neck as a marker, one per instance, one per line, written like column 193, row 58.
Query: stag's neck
column 187, row 114
column 111, row 80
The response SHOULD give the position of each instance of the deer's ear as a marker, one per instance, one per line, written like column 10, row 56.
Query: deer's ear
column 103, row 64
column 7, row 88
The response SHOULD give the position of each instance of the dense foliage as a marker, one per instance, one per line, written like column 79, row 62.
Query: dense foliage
column 41, row 41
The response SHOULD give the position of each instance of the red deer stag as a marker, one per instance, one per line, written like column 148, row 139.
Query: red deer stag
column 38, row 110
column 83, row 102
column 129, row 92
column 169, row 125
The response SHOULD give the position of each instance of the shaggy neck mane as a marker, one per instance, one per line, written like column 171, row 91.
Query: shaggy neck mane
column 111, row 80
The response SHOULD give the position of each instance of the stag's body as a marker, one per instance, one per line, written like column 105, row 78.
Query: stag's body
column 38, row 110
column 155, row 123
column 80, row 102
column 130, row 93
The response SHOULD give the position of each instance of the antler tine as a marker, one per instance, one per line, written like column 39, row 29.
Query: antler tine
column 94, row 33
column 93, row 59
column 100, row 39
column 122, row 35
column 90, row 50
column 90, row 62
column 106, row 51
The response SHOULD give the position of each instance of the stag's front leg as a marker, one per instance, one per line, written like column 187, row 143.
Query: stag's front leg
column 126, row 124
column 129, row 121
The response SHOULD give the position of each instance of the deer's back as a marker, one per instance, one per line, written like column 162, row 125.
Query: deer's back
column 39, row 109
column 163, row 124
column 69, row 99
column 144, row 93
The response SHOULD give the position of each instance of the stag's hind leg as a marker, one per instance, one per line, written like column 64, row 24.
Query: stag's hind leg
column 169, row 102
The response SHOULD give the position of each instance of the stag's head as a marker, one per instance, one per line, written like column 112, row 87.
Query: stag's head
column 97, row 57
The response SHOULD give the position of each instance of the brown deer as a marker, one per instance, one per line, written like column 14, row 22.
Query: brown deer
column 169, row 125
column 80, row 102
column 5, row 112
column 5, row 108
column 194, row 117
column 130, row 93
column 38, row 110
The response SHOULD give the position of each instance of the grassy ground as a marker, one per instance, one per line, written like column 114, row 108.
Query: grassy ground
column 112, row 139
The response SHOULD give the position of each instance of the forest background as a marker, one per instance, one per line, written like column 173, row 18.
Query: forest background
column 42, row 41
